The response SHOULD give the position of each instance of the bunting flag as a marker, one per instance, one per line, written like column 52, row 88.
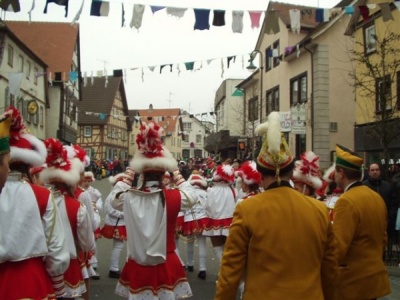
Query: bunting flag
column 99, row 8
column 10, row 5
column 58, row 2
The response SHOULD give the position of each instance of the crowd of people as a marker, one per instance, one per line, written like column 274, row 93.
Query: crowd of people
column 280, row 228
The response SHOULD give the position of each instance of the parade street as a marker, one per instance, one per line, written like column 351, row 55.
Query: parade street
column 104, row 288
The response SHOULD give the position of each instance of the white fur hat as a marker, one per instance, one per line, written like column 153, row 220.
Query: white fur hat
column 248, row 173
column 24, row 147
column 224, row 173
column 75, row 152
column 59, row 167
column 151, row 154
column 307, row 170
column 89, row 175
column 196, row 179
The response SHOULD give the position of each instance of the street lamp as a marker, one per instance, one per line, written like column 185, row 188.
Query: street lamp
column 252, row 67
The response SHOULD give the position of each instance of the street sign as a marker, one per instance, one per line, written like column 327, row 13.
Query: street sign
column 299, row 112
column 286, row 121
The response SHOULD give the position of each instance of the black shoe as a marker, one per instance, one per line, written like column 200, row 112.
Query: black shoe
column 95, row 276
column 202, row 275
column 190, row 268
column 114, row 274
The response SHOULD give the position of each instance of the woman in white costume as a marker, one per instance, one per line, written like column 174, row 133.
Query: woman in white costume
column 153, row 270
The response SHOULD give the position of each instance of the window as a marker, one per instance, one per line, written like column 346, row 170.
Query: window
column 28, row 70
column 187, row 126
column 398, row 88
column 276, row 59
column 20, row 64
column 253, row 109
column 383, row 93
column 89, row 152
column 298, row 89
column 10, row 56
column 132, row 139
column 87, row 131
column 35, row 118
column 35, row 76
column 41, row 115
column 369, row 38
column 268, row 59
column 198, row 138
column 300, row 144
column 272, row 100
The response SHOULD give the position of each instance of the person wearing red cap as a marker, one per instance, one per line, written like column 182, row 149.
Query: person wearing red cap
column 77, row 154
column 61, row 176
column 306, row 174
column 153, row 270
column 249, row 179
column 220, row 204
column 114, row 223
column 195, row 221
column 33, row 248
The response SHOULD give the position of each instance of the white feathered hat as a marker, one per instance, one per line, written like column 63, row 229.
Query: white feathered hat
column 59, row 167
column 248, row 173
column 307, row 170
column 274, row 157
column 151, row 154
column 24, row 147
column 197, row 179
column 224, row 172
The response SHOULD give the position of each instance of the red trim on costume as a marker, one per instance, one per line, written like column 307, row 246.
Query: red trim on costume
column 42, row 197
column 219, row 224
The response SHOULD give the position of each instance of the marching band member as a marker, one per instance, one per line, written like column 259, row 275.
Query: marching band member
column 61, row 176
column 153, row 270
column 33, row 249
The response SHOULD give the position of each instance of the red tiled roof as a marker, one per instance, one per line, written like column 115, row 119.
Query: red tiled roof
column 166, row 118
column 53, row 42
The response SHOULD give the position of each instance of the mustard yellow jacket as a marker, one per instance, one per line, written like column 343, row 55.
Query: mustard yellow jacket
column 282, row 242
column 360, row 232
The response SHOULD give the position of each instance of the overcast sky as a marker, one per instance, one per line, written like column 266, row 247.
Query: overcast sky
column 162, row 39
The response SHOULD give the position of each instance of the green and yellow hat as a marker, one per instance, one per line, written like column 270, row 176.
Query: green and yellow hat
column 348, row 159
column 5, row 135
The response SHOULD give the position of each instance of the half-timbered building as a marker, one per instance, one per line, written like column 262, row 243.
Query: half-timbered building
column 103, row 122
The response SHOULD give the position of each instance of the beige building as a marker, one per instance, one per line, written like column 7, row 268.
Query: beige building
column 61, row 52
column 377, row 134
column 305, row 77
column 32, row 99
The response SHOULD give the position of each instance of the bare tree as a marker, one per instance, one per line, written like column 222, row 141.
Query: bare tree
column 375, row 83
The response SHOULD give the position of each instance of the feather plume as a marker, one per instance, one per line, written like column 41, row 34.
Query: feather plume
column 262, row 128
column 274, row 133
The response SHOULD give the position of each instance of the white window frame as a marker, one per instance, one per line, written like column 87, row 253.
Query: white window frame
column 87, row 131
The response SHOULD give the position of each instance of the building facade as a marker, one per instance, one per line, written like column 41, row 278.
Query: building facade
column 31, row 96
column 104, row 124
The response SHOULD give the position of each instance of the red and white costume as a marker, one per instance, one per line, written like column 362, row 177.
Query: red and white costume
column 34, row 244
column 221, row 201
column 153, row 270
column 78, row 232
column 33, row 250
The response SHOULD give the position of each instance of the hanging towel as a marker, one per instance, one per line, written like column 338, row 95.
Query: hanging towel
column 137, row 16
column 255, row 18
column 202, row 17
column 364, row 12
column 272, row 23
column 219, row 18
column 176, row 11
column 156, row 8
column 386, row 13
column 99, row 8
column 237, row 21
column 189, row 66
column 295, row 20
